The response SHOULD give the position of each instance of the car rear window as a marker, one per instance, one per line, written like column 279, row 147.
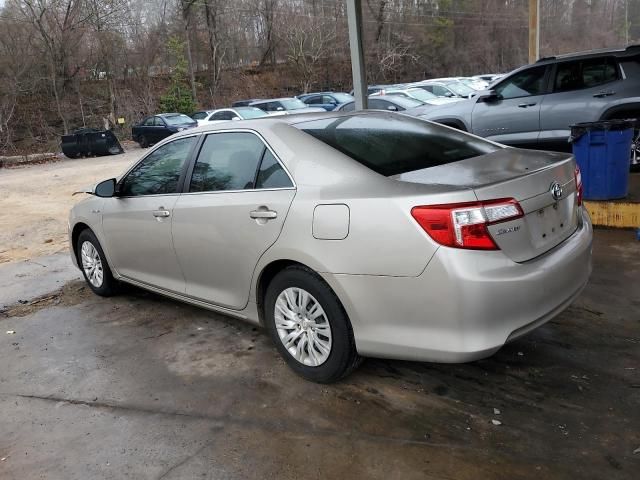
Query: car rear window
column 391, row 144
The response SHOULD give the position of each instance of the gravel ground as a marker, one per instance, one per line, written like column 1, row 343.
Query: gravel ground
column 36, row 200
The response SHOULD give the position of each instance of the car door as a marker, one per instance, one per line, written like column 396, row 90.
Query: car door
column 237, row 200
column 145, row 128
column 160, row 130
column 513, row 116
column 137, row 221
column 581, row 91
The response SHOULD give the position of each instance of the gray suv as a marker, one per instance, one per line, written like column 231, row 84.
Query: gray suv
column 534, row 106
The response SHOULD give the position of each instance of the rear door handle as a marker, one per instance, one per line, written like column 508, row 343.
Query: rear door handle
column 266, row 214
column 161, row 213
column 525, row 105
column 604, row 94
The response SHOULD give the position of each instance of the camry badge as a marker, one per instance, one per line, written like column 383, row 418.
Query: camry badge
column 556, row 191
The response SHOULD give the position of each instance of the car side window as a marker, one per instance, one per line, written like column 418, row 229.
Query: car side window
column 158, row 122
column 584, row 74
column 316, row 100
column 350, row 107
column 149, row 122
column 158, row 173
column 439, row 90
column 523, row 84
column 271, row 173
column 328, row 99
column 199, row 115
column 227, row 161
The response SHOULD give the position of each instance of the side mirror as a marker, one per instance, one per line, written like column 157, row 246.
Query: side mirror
column 279, row 109
column 106, row 188
column 448, row 94
column 393, row 108
column 489, row 96
column 235, row 118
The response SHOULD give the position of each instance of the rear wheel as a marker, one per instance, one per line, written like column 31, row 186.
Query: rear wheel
column 144, row 143
column 309, row 326
column 94, row 266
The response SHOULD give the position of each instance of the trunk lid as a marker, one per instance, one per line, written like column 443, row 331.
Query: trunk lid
column 528, row 176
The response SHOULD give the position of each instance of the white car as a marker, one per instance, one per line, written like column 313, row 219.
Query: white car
column 420, row 94
column 225, row 114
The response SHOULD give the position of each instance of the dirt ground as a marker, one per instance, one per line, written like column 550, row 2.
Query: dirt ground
column 138, row 386
column 36, row 199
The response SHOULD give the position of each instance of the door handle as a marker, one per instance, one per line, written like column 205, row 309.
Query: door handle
column 161, row 213
column 604, row 94
column 525, row 105
column 266, row 214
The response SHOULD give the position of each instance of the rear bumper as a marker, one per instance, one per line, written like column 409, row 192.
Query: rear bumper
column 466, row 304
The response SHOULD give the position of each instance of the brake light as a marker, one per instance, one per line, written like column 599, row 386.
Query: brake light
column 464, row 225
column 578, row 177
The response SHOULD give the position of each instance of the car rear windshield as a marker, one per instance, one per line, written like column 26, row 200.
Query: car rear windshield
column 392, row 144
column 177, row 119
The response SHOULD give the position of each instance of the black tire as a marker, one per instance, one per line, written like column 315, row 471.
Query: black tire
column 144, row 143
column 343, row 357
column 109, row 285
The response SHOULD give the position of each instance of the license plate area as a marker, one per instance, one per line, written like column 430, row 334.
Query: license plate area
column 553, row 223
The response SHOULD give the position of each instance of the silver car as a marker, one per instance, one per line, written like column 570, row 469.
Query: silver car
column 346, row 235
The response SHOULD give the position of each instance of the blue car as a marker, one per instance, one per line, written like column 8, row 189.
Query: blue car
column 327, row 100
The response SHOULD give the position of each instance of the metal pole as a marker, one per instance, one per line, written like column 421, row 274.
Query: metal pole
column 534, row 30
column 354, row 20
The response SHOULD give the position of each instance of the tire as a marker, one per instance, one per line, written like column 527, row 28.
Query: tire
column 342, row 357
column 144, row 143
column 107, row 286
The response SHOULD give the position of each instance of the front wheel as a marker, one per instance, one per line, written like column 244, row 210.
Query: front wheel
column 94, row 266
column 309, row 326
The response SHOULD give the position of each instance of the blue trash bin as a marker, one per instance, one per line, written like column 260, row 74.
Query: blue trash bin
column 603, row 153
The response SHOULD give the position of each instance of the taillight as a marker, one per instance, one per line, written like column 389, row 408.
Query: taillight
column 464, row 225
column 578, row 177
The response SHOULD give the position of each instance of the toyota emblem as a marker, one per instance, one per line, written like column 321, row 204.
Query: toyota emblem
column 556, row 191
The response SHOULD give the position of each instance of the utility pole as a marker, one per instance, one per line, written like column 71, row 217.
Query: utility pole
column 626, row 23
column 534, row 30
column 354, row 21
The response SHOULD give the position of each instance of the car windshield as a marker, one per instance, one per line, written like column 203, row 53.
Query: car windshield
column 391, row 144
column 177, row 119
column 293, row 104
column 342, row 97
column 420, row 94
column 460, row 88
column 404, row 102
column 251, row 112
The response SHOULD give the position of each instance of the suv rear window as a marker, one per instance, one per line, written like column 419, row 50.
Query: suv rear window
column 391, row 144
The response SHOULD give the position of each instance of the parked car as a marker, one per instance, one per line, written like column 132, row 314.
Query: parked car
column 474, row 83
column 394, row 103
column 346, row 235
column 327, row 100
column 421, row 95
column 285, row 106
column 489, row 77
column 535, row 105
column 244, row 103
column 158, row 127
column 446, row 88
column 371, row 89
column 226, row 114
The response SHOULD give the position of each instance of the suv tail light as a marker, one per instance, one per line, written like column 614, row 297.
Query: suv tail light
column 578, row 177
column 464, row 225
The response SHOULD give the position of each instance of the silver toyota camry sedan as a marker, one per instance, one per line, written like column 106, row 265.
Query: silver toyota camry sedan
column 346, row 235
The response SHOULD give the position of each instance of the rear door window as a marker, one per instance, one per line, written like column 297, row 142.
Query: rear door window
column 271, row 173
column 227, row 161
column 393, row 144
column 581, row 74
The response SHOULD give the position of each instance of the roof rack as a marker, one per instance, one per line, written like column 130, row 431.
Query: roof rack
column 590, row 52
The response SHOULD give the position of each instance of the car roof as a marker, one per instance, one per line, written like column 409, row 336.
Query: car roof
column 273, row 100
column 630, row 50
